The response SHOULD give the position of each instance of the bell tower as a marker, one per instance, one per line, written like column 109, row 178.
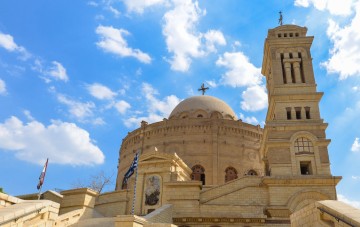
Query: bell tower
column 294, row 135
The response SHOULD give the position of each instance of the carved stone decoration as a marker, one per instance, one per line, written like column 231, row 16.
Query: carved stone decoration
column 152, row 191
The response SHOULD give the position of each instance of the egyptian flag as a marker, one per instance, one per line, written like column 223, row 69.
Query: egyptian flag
column 132, row 168
column 42, row 175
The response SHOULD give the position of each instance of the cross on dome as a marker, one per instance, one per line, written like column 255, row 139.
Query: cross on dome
column 203, row 89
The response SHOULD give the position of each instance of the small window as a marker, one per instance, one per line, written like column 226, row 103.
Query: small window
column 296, row 34
column 291, row 34
column 288, row 113
column 200, row 116
column 279, row 35
column 307, row 112
column 290, row 55
column 298, row 112
column 230, row 174
column 252, row 173
column 285, row 34
column 305, row 168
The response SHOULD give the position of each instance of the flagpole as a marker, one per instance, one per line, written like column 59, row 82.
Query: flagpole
column 39, row 194
column 134, row 195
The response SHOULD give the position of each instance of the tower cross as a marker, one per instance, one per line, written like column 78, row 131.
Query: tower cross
column 203, row 89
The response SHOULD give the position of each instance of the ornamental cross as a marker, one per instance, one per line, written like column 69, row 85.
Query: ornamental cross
column 203, row 89
column 280, row 18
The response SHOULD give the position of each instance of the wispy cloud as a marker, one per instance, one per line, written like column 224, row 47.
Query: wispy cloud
column 353, row 203
column 7, row 42
column 2, row 87
column 100, row 91
column 79, row 110
column 356, row 145
column 139, row 6
column 157, row 109
column 112, row 41
column 62, row 142
column 58, row 72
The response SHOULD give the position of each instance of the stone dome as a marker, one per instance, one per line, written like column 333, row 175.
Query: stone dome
column 203, row 106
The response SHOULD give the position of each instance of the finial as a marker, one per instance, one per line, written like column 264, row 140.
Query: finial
column 203, row 89
column 280, row 18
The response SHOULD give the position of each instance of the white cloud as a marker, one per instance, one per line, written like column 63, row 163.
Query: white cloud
column 100, row 91
column 345, row 56
column 61, row 142
column 58, row 72
column 79, row 110
column 112, row 41
column 181, row 37
column 254, row 98
column 2, row 87
column 241, row 72
column 353, row 203
column 334, row 7
column 7, row 42
column 355, row 177
column 250, row 120
column 93, row 3
column 356, row 145
column 139, row 6
column 114, row 11
column 213, row 37
column 122, row 106
column 156, row 109
column 212, row 83
column 28, row 115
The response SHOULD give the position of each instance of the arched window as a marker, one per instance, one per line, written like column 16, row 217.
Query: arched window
column 230, row 174
column 198, row 173
column 252, row 173
column 303, row 145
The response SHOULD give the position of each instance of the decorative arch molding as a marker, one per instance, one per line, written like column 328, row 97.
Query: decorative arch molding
column 184, row 115
column 305, row 134
column 216, row 115
column 251, row 170
column 304, row 198
column 200, row 114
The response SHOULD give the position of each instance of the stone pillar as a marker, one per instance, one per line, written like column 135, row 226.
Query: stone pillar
column 288, row 72
column 297, row 72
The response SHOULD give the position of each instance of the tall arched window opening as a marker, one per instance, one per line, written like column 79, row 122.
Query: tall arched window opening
column 198, row 173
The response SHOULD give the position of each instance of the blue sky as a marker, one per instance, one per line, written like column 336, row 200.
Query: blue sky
column 77, row 76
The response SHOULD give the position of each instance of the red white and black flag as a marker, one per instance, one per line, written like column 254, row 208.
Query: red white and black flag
column 42, row 175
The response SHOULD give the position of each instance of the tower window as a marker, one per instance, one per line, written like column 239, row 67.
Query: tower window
column 303, row 145
column 279, row 35
column 296, row 34
column 283, row 68
column 305, row 168
column 198, row 173
column 302, row 68
column 298, row 112
column 285, row 34
column 200, row 115
column 291, row 34
column 307, row 112
column 230, row 174
column 288, row 113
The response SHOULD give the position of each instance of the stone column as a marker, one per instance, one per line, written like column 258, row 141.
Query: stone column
column 288, row 72
column 297, row 72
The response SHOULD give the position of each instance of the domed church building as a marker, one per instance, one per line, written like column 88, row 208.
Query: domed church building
column 203, row 167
